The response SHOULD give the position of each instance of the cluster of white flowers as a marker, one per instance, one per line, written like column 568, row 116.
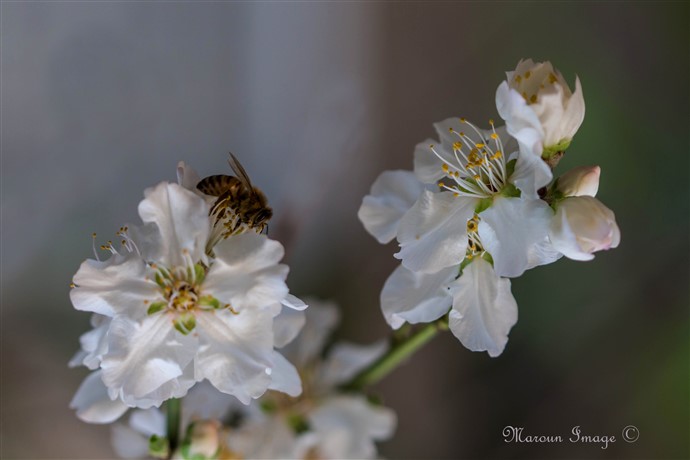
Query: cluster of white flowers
column 482, row 206
column 193, row 301
column 181, row 306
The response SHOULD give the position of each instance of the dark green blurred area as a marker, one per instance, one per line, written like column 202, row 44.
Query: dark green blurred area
column 600, row 345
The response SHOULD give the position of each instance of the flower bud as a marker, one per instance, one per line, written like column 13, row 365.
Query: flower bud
column 581, row 226
column 580, row 181
column 204, row 439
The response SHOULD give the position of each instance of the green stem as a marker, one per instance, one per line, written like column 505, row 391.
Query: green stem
column 173, row 412
column 398, row 352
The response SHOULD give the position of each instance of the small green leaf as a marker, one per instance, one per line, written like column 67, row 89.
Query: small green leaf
column 185, row 323
column 159, row 447
column 486, row 256
column 483, row 205
column 155, row 307
column 465, row 262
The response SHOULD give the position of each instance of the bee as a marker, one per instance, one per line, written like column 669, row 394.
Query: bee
column 239, row 203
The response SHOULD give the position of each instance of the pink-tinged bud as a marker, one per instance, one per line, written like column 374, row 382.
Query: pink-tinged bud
column 580, row 181
column 204, row 438
column 582, row 226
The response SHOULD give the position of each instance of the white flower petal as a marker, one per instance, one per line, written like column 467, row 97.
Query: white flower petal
column 521, row 121
column 235, row 351
column 205, row 402
column 287, row 325
column 427, row 164
column 347, row 427
column 128, row 443
column 117, row 285
column 148, row 422
column 433, row 234
column 416, row 297
column 94, row 343
column 143, row 356
column 392, row 194
column 531, row 173
column 182, row 220
column 246, row 273
column 267, row 438
column 293, row 302
column 321, row 319
column 284, row 376
column 542, row 253
column 484, row 309
column 345, row 360
column 93, row 404
column 187, row 177
column 510, row 228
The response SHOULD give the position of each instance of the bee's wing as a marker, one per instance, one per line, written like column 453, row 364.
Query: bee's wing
column 241, row 173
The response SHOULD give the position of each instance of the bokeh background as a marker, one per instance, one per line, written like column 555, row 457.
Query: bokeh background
column 101, row 99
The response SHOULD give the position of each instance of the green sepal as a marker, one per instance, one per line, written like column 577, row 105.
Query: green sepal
column 199, row 273
column 510, row 191
column 185, row 323
column 298, row 423
column 510, row 167
column 208, row 302
column 552, row 150
column 159, row 447
column 465, row 262
column 155, row 307
column 483, row 205
column 184, row 450
column 486, row 256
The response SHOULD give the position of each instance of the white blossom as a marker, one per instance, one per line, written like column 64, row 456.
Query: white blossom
column 172, row 315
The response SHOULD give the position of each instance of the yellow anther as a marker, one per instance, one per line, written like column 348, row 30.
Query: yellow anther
column 496, row 155
column 491, row 121
column 456, row 194
column 462, row 120
column 533, row 99
column 123, row 242
column 93, row 235
column 471, row 227
column 431, row 146
column 524, row 95
column 477, row 177
column 440, row 184
column 479, row 145
column 494, row 136
column 552, row 78
column 528, row 74
column 462, row 134
column 518, row 78
column 72, row 285
column 457, row 145
column 444, row 168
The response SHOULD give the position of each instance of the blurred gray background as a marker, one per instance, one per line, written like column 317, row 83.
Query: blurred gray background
column 100, row 100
